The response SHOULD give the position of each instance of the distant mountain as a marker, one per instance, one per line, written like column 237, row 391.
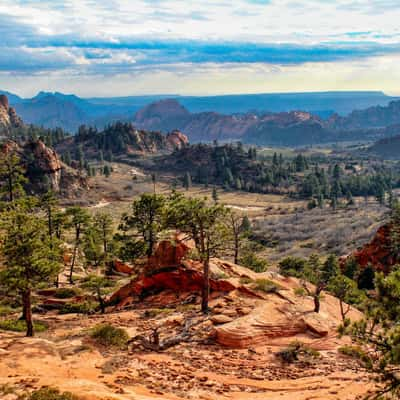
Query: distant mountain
column 320, row 103
column 285, row 128
column 51, row 111
column 69, row 111
column 12, row 98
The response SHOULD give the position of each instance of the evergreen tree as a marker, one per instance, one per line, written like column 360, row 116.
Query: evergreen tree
column 106, row 171
column 147, row 219
column 187, row 181
column 12, row 176
column 215, row 196
column 79, row 219
column 206, row 227
column 30, row 256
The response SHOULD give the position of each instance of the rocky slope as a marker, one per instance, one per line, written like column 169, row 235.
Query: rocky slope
column 8, row 117
column 372, row 117
column 44, row 169
column 122, row 139
column 388, row 148
column 229, row 354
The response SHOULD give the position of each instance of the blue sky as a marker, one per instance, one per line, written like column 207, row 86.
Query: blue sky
column 123, row 47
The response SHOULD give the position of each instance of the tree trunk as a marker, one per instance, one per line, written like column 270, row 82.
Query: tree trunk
column 23, row 316
column 74, row 256
column 236, row 257
column 341, row 310
column 101, row 301
column 206, row 286
column 317, row 304
column 10, row 188
column 26, row 298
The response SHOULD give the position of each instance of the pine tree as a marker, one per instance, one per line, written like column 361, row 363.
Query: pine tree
column 187, row 181
column 215, row 196
column 30, row 256
column 12, row 176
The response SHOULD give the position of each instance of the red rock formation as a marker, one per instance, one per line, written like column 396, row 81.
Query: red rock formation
column 167, row 270
column 377, row 253
column 122, row 268
column 179, row 280
column 40, row 161
column 4, row 101
column 169, row 254
column 176, row 139
column 8, row 116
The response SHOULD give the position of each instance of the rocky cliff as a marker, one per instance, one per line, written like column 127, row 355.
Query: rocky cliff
column 8, row 117
column 377, row 253
column 44, row 169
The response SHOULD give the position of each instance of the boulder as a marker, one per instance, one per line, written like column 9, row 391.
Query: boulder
column 220, row 319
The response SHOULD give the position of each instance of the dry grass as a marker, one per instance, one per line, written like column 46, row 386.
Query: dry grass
column 319, row 231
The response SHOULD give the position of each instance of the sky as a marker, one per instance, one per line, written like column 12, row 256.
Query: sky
column 130, row 47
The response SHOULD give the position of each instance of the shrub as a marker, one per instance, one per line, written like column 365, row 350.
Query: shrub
column 6, row 310
column 244, row 280
column 292, row 266
column 155, row 312
column 17, row 325
column 109, row 335
column 267, row 286
column 356, row 352
column 86, row 307
column 48, row 393
column 251, row 261
column 300, row 291
column 295, row 350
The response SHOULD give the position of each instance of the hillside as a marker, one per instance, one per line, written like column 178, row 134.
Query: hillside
column 233, row 352
column 387, row 148
column 44, row 169
column 120, row 139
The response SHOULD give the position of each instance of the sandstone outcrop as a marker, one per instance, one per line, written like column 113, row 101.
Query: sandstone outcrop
column 8, row 117
column 44, row 168
column 377, row 252
column 243, row 314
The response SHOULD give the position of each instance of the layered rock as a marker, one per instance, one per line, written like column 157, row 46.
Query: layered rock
column 242, row 314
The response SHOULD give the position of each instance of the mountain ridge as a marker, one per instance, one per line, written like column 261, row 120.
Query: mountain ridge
column 74, row 110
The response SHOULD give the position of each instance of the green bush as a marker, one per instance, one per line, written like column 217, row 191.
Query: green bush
column 299, row 291
column 266, row 286
column 17, row 325
column 48, row 393
column 6, row 310
column 244, row 280
column 356, row 352
column 109, row 335
column 86, row 307
column 292, row 266
column 295, row 351
column 251, row 261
